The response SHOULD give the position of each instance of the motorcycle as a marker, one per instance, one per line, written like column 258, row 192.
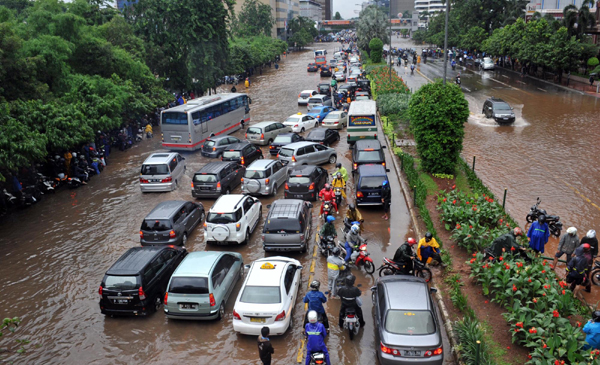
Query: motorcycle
column 595, row 275
column 390, row 267
column 61, row 179
column 74, row 182
column 317, row 358
column 30, row 195
column 45, row 185
column 553, row 221
column 359, row 257
column 458, row 81
column 351, row 322
column 326, row 245
column 338, row 195
column 348, row 225
column 139, row 136
column 327, row 209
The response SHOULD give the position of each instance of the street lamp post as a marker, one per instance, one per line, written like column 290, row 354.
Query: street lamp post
column 391, row 60
column 446, row 41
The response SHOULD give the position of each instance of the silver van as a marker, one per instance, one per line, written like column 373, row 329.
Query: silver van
column 264, row 133
column 319, row 100
column 287, row 227
column 264, row 177
column 162, row 172
column 306, row 153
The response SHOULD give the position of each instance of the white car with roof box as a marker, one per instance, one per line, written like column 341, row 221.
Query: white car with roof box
column 232, row 219
column 268, row 296
column 300, row 122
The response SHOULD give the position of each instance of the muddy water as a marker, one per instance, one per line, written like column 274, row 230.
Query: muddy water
column 54, row 255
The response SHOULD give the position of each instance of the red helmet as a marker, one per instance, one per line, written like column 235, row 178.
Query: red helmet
column 327, row 187
column 411, row 241
column 517, row 231
column 586, row 246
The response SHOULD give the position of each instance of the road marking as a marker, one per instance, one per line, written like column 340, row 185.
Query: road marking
column 312, row 266
column 315, row 253
column 300, row 352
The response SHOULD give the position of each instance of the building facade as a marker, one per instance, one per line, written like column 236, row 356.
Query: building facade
column 281, row 10
column 326, row 9
column 312, row 10
column 429, row 6
column 401, row 6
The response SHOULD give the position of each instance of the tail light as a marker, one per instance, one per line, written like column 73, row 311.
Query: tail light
column 142, row 181
column 214, row 149
column 302, row 237
column 271, row 147
column 318, row 361
column 355, row 166
column 242, row 161
column 192, row 184
column 375, row 135
column 246, row 135
column 219, row 185
column 166, row 297
column 300, row 94
column 383, row 163
column 262, row 237
column 359, row 194
column 242, row 180
column 100, row 291
column 238, row 226
column 388, row 350
column 172, row 234
column 167, row 179
column 293, row 159
column 435, row 352
column 211, row 297
column 296, row 126
column 205, row 225
column 236, row 315
column 262, row 136
column 312, row 186
column 141, row 293
column 280, row 317
column 266, row 181
column 141, row 234
column 221, row 157
column 286, row 186
column 350, row 315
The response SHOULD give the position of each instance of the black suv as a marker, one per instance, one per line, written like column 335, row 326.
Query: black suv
column 283, row 140
column 243, row 153
column 324, row 88
column 324, row 136
column 367, row 151
column 217, row 178
column 136, row 283
column 326, row 71
column 171, row 222
column 287, row 227
column 499, row 110
column 214, row 146
column 312, row 67
column 305, row 182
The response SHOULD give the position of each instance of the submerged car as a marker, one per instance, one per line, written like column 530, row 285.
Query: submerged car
column 499, row 110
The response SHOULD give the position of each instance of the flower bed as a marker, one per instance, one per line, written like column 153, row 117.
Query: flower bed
column 381, row 83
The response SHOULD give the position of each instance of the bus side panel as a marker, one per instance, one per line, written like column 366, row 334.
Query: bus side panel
column 361, row 127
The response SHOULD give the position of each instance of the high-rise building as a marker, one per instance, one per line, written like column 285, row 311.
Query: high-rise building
column 429, row 6
column 311, row 9
column 282, row 11
column 402, row 6
column 326, row 9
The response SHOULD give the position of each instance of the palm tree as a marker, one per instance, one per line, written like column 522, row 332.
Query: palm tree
column 578, row 21
column 514, row 10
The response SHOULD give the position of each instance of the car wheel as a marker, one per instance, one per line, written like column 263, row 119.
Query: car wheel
column 221, row 314
column 247, row 238
column 332, row 159
column 302, row 130
column 315, row 126
column 184, row 239
column 274, row 190
column 157, row 304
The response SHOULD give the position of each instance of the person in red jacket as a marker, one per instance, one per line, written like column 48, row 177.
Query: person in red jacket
column 326, row 194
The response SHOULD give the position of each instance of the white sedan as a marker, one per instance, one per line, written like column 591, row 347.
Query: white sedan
column 267, row 296
column 300, row 122
column 337, row 119
column 305, row 95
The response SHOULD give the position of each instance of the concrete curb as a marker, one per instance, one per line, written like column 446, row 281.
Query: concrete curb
column 413, row 216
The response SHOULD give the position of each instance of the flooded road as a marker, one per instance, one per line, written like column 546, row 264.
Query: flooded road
column 550, row 152
column 54, row 255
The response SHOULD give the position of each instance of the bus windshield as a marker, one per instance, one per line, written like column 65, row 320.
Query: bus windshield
column 174, row 118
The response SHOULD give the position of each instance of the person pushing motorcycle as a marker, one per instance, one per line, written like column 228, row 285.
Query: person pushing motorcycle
column 404, row 256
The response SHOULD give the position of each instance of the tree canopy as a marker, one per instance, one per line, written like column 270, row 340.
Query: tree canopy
column 255, row 18
column 373, row 23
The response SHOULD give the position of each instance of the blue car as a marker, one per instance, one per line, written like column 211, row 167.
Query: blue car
column 320, row 112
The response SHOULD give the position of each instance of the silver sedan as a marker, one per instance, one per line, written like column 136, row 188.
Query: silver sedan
column 336, row 120
column 339, row 76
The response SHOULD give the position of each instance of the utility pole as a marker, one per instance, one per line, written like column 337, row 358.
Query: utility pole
column 390, row 52
column 446, row 41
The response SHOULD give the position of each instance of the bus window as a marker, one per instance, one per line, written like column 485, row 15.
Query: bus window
column 196, row 118
column 174, row 118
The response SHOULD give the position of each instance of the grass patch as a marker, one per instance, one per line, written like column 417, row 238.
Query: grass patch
column 431, row 186
column 498, row 353
column 461, row 182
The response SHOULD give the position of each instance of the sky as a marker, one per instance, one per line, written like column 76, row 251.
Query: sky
column 346, row 8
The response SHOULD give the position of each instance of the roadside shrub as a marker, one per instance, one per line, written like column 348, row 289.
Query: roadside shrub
column 469, row 331
column 437, row 115
column 593, row 62
column 381, row 83
column 376, row 48
column 389, row 104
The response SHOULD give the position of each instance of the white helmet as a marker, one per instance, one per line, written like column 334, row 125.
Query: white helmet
column 74, row 154
column 355, row 228
column 312, row 317
column 572, row 231
column 591, row 234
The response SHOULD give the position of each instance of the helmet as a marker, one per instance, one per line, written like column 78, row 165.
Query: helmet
column 355, row 228
column 339, row 175
column 428, row 236
column 591, row 234
column 338, row 165
column 74, row 154
column 327, row 186
column 335, row 251
column 384, row 183
column 312, row 316
column 82, row 157
column 586, row 246
column 411, row 241
column 57, row 157
column 596, row 316
column 542, row 219
column 572, row 231
column 517, row 231
column 315, row 285
column 330, row 219
column 350, row 279
column 351, row 206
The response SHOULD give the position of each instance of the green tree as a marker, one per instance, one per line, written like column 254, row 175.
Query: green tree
column 255, row 18
column 373, row 23
column 376, row 50
column 437, row 116
column 303, row 31
column 578, row 21
column 473, row 39
column 337, row 16
column 407, row 14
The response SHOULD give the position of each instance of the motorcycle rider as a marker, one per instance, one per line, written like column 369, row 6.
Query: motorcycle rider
column 453, row 63
column 326, row 194
column 315, row 300
column 428, row 249
column 349, row 294
column 148, row 130
column 315, row 333
column 458, row 79
column 412, row 68
column 341, row 169
column 353, row 241
column 334, row 265
column 328, row 228
column 353, row 215
column 404, row 256
column 567, row 245
column 338, row 182
column 80, row 169
column 506, row 242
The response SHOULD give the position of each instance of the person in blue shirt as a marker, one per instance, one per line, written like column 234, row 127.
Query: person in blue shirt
column 315, row 300
column 592, row 330
column 538, row 234
column 315, row 333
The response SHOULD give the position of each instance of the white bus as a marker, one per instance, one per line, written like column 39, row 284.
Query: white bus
column 362, row 117
column 186, row 126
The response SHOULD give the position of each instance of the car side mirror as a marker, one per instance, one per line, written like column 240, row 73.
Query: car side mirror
column 183, row 158
column 511, row 108
column 268, row 206
column 383, row 146
column 299, row 267
column 387, row 170
column 432, row 290
column 247, row 267
column 309, row 204
column 249, row 101
column 373, row 288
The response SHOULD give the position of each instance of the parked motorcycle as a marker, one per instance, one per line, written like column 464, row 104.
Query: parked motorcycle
column 595, row 275
column 390, row 267
column 326, row 245
column 553, row 221
column 74, row 182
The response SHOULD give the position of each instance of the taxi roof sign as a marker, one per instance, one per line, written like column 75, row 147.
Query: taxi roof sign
column 267, row 265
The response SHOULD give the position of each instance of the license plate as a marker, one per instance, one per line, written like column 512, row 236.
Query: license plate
column 257, row 320
column 505, row 118
column 155, row 180
column 188, row 306
column 205, row 188
column 298, row 196
column 371, row 194
column 413, row 353
column 176, row 139
column 120, row 301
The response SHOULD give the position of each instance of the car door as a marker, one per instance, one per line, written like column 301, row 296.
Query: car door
column 344, row 117
column 229, row 264
column 289, row 288
column 308, row 154
column 282, row 128
column 321, row 178
column 322, row 154
column 249, row 213
column 194, row 214
column 279, row 173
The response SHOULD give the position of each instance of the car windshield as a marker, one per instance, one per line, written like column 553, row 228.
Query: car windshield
column 362, row 97
column 305, row 95
column 209, row 143
column 293, row 119
column 156, row 225
column 120, row 282
column 161, row 169
column 252, row 130
column 366, row 156
column 316, row 134
column 254, row 174
column 205, row 178
column 231, row 154
column 371, row 182
column 214, row 217
column 332, row 116
column 184, row 285
column 501, row 106
column 299, row 180
column 409, row 322
column 315, row 101
column 261, row 295
column 283, row 139
column 286, row 152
